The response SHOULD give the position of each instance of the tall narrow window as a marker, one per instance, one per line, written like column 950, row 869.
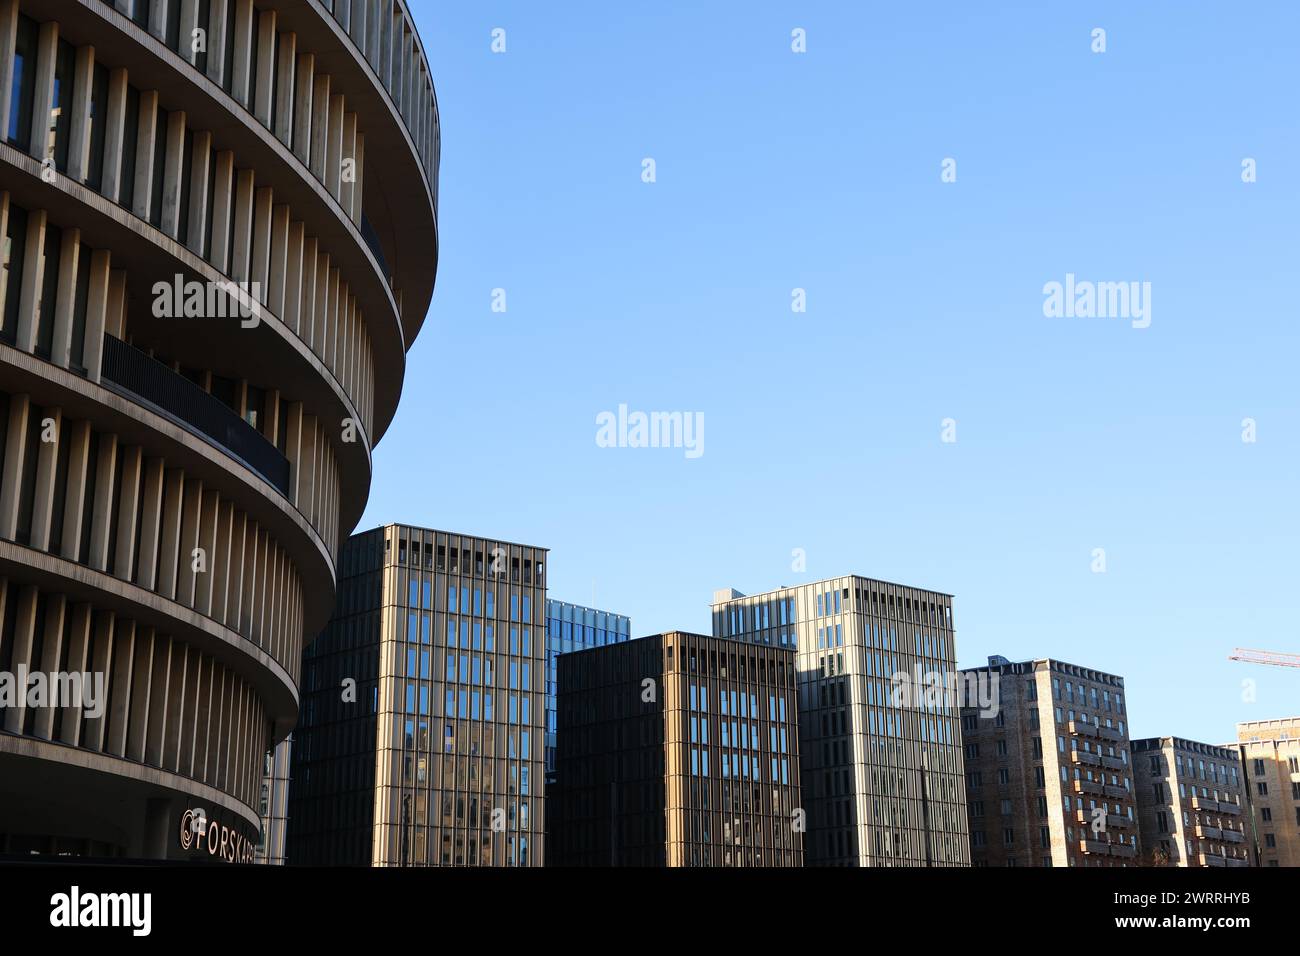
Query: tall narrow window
column 61, row 105
column 159, row 165
column 15, row 248
column 49, row 291
column 79, row 309
column 98, row 121
column 204, row 17
column 24, row 84
column 130, row 132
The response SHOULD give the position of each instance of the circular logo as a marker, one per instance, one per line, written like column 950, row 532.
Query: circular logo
column 187, row 829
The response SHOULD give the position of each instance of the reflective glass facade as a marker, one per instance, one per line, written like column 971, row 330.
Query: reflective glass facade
column 571, row 627
column 444, row 739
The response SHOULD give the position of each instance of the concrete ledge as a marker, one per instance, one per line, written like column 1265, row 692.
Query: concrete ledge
column 136, row 425
column 52, row 574
column 269, row 354
column 88, row 777
column 152, row 65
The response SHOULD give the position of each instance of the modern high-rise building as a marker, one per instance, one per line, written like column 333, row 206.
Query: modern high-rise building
column 1270, row 760
column 572, row 627
column 421, row 741
column 1049, row 779
column 677, row 750
column 220, row 239
column 1190, row 802
column 882, row 773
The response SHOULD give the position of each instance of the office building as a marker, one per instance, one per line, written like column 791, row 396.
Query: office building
column 215, row 256
column 572, row 627
column 1049, row 778
column 1270, row 760
column 1190, row 803
column 421, row 738
column 677, row 750
column 882, row 772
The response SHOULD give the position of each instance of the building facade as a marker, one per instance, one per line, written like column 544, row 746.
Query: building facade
column 572, row 627
column 1270, row 760
column 882, row 773
column 204, row 315
column 421, row 741
column 1049, row 776
column 1191, row 803
column 677, row 750
column 274, row 804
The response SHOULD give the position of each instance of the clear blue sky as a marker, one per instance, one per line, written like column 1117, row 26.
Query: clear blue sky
column 925, row 302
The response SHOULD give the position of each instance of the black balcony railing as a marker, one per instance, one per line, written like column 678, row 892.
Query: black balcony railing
column 142, row 379
column 372, row 240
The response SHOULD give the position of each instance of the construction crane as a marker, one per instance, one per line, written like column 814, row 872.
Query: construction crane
column 1264, row 657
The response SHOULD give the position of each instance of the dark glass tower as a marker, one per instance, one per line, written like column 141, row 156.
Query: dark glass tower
column 677, row 750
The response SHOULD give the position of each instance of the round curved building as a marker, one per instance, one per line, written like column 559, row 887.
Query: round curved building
column 220, row 239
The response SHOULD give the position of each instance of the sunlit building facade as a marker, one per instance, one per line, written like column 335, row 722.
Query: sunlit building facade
column 1191, row 803
column 677, row 750
column 1270, row 760
column 421, row 741
column 882, row 778
column 219, row 240
column 1049, row 773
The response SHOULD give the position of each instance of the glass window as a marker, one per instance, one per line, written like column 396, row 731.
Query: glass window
column 15, row 247
column 49, row 291
column 61, row 106
column 24, row 84
column 126, row 192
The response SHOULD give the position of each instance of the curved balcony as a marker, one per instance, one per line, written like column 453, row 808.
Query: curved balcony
column 207, row 106
column 132, row 373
